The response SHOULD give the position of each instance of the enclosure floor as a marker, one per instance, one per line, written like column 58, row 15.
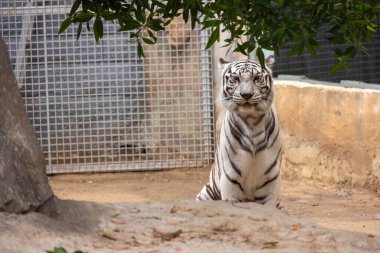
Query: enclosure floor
column 337, row 207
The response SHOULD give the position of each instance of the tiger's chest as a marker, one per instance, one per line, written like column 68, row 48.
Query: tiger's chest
column 250, row 151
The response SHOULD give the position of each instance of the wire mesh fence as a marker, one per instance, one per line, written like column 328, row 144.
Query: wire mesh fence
column 364, row 68
column 98, row 107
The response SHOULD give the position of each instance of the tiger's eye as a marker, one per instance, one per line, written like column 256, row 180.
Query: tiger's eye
column 234, row 79
column 256, row 78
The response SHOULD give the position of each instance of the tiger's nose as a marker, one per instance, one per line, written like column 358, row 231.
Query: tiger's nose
column 246, row 95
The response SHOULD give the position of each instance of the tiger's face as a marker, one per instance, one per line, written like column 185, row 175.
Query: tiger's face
column 247, row 88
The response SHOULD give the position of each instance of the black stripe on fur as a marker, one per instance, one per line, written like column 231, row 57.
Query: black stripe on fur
column 268, row 181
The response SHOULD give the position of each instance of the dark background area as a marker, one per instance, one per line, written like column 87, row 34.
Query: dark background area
column 364, row 68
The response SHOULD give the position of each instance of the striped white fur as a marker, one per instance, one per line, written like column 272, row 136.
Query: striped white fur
column 248, row 154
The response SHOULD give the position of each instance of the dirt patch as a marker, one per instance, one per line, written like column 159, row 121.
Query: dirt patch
column 336, row 207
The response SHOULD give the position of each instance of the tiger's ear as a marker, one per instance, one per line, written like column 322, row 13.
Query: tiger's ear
column 223, row 63
column 269, row 62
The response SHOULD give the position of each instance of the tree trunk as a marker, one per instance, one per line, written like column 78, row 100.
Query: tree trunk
column 24, row 185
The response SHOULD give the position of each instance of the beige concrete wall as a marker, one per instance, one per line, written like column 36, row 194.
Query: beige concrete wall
column 331, row 134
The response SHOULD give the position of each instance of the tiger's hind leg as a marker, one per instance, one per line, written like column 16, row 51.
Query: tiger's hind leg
column 203, row 195
column 208, row 193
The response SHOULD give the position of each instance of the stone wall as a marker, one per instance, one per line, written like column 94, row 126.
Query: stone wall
column 331, row 134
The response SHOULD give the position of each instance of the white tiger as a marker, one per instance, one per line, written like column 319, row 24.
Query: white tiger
column 248, row 153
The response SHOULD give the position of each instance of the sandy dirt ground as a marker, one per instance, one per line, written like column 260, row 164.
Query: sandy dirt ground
column 331, row 206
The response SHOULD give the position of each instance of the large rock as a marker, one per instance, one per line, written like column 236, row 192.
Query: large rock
column 176, row 226
column 23, row 183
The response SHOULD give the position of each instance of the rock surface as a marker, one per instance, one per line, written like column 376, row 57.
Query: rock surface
column 175, row 226
column 23, row 182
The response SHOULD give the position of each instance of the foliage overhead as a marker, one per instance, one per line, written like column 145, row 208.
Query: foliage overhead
column 269, row 24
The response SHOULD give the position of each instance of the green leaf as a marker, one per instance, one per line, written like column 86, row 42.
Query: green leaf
column 155, row 25
column 140, row 15
column 140, row 50
column 210, row 23
column 215, row 36
column 341, row 64
column 86, row 5
column 158, row 3
column 311, row 45
column 350, row 52
column 151, row 34
column 98, row 29
column 171, row 7
column 371, row 28
column 57, row 250
column 83, row 16
column 261, row 57
column 298, row 48
column 143, row 3
column 130, row 24
column 108, row 15
column 274, row 23
column 336, row 67
column 75, row 7
column 242, row 48
column 185, row 15
column 148, row 41
column 134, row 35
column 79, row 31
column 65, row 24
column 280, row 32
column 194, row 17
